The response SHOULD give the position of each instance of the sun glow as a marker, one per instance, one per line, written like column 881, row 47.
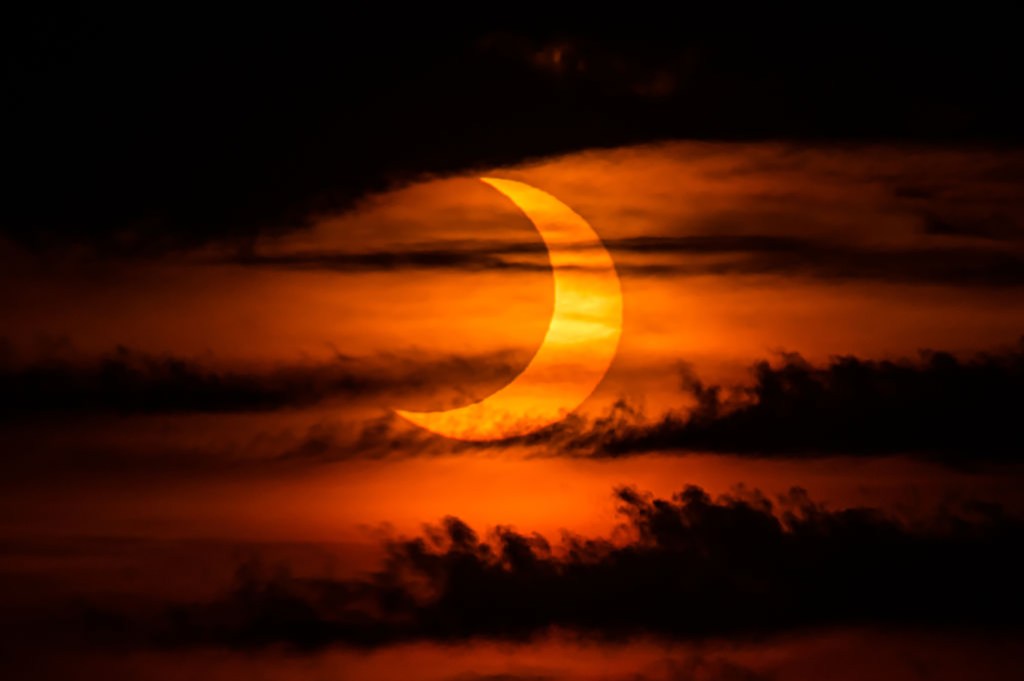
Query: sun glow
column 580, row 342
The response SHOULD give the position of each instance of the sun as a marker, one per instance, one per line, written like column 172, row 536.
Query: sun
column 580, row 342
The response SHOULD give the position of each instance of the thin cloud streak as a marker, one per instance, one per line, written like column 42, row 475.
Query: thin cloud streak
column 131, row 382
column 751, row 254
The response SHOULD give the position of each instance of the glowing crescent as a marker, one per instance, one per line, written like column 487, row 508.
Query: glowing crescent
column 580, row 342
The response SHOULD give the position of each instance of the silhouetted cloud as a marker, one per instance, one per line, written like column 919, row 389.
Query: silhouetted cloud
column 754, row 254
column 462, row 257
column 959, row 411
column 269, row 119
column 688, row 567
column 126, row 381
column 696, row 668
column 503, row 677
column 997, row 227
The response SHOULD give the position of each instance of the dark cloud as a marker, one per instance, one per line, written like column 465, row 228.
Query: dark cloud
column 696, row 668
column 959, row 411
column 461, row 257
column 754, row 254
column 997, row 227
column 685, row 568
column 130, row 382
column 140, row 129
column 700, row 668
column 924, row 265
column 503, row 677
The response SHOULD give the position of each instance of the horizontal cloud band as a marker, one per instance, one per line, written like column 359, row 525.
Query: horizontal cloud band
column 692, row 567
column 744, row 254
column 960, row 411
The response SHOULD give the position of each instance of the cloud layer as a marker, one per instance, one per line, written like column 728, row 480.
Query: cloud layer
column 688, row 567
column 271, row 119
column 131, row 382
column 722, row 254
column 961, row 411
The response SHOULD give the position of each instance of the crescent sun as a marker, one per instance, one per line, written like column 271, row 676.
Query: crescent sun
column 580, row 342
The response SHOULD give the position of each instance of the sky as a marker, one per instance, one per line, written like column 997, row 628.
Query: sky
column 233, row 246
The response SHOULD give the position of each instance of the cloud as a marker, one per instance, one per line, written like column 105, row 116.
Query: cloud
column 271, row 120
column 503, row 677
column 700, row 668
column 958, row 411
column 456, row 257
column 683, row 568
column 131, row 382
column 997, row 227
column 695, row 668
column 745, row 254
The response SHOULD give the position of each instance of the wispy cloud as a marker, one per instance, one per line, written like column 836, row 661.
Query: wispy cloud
column 723, row 254
column 130, row 382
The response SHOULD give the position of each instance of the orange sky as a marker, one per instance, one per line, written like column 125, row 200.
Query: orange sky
column 229, row 310
column 195, row 305
column 341, row 348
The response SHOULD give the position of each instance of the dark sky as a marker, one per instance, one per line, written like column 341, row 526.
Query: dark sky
column 165, row 127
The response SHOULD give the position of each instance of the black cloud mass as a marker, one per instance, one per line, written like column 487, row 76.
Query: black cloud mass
column 170, row 129
column 953, row 410
column 691, row 568
column 127, row 382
